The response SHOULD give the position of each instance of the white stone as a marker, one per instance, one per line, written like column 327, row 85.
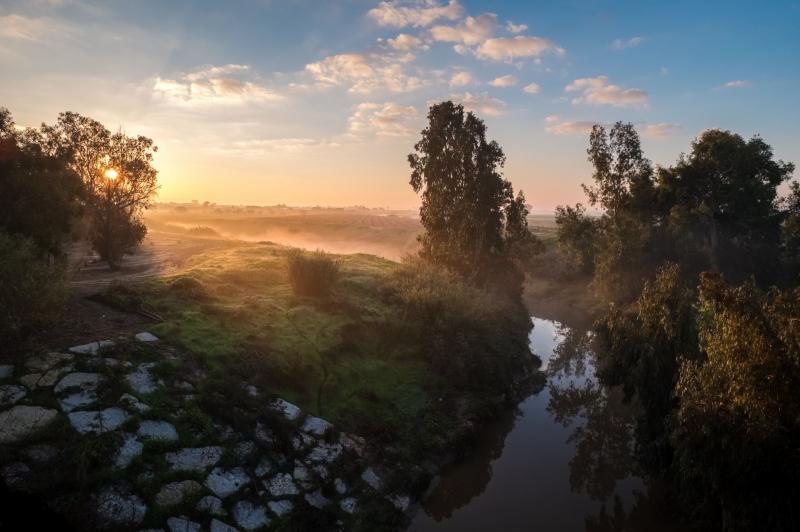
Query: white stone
column 244, row 450
column 251, row 390
column 175, row 493
column 116, row 508
column 301, row 474
column 21, row 422
column 157, row 430
column 302, row 441
column 133, row 403
column 325, row 452
column 211, row 505
column 97, row 422
column 46, row 361
column 322, row 471
column 41, row 452
column 141, row 381
column 348, row 505
column 181, row 524
column 84, row 381
column 11, row 393
column 290, row 411
column 263, row 434
column 224, row 482
column 91, row 348
column 370, row 477
column 195, row 459
column 250, row 516
column 6, row 371
column 146, row 337
column 131, row 448
column 15, row 474
column 219, row 526
column 281, row 485
column 280, row 508
column 401, row 502
column 340, row 486
column 316, row 426
column 317, row 499
column 76, row 400
column 353, row 443
column 264, row 466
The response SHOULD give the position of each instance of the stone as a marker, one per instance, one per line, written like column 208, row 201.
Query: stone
column 146, row 337
column 15, row 474
column 281, row 485
column 183, row 386
column 263, row 434
column 181, row 524
column 353, row 443
column 194, row 459
column 322, row 471
column 250, row 516
column 141, row 381
column 6, row 371
column 157, row 430
column 251, row 390
column 290, row 411
column 317, row 499
column 117, row 508
column 131, row 448
column 133, row 403
column 176, row 493
column 11, row 394
column 92, row 348
column 280, row 508
column 225, row 482
column 301, row 474
column 21, row 422
column 370, row 477
column 348, row 505
column 76, row 400
column 84, row 381
column 325, row 452
column 41, row 453
column 219, row 526
column 264, row 467
column 42, row 363
column 302, row 441
column 401, row 502
column 340, row 486
column 244, row 450
column 211, row 505
column 96, row 422
column 316, row 426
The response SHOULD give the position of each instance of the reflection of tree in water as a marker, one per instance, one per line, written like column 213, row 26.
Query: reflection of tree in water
column 463, row 482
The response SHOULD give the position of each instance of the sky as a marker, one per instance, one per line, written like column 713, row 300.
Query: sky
column 318, row 102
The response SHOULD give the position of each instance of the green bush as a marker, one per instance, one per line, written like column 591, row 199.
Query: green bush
column 312, row 274
column 31, row 289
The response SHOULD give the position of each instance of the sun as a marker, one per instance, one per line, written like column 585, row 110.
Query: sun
column 111, row 173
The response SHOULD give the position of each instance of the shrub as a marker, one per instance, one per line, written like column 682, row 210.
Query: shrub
column 312, row 274
column 31, row 289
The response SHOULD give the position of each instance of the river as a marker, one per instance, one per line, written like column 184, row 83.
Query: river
column 551, row 464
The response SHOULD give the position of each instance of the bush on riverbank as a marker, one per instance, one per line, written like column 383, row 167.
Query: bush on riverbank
column 312, row 274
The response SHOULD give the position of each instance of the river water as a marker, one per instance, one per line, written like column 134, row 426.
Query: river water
column 551, row 464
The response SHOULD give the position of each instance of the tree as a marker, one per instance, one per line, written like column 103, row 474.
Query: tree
column 790, row 235
column 117, row 173
column 577, row 235
column 469, row 212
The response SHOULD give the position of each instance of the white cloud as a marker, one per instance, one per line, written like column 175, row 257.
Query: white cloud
column 531, row 88
column 550, row 119
column 633, row 42
column 509, row 49
column 598, row 91
column 406, row 43
column 515, row 28
column 336, row 69
column 213, row 86
column 480, row 103
column 558, row 127
column 462, row 78
column 383, row 120
column 42, row 29
column 420, row 13
column 504, row 81
column 471, row 31
column 364, row 73
column 660, row 130
column 736, row 84
column 278, row 145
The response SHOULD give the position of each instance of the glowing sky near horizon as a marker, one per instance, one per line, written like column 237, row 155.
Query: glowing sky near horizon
column 309, row 102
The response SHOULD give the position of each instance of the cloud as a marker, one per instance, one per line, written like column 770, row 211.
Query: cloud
column 278, row 145
column 406, row 43
column 212, row 86
column 471, row 31
column 736, row 84
column 598, row 91
column 364, row 73
column 660, row 130
column 480, row 103
column 552, row 119
column 42, row 29
column 558, row 127
column 462, row 78
column 619, row 44
column 336, row 69
column 504, row 81
column 420, row 13
column 515, row 28
column 531, row 88
column 384, row 120
column 509, row 49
